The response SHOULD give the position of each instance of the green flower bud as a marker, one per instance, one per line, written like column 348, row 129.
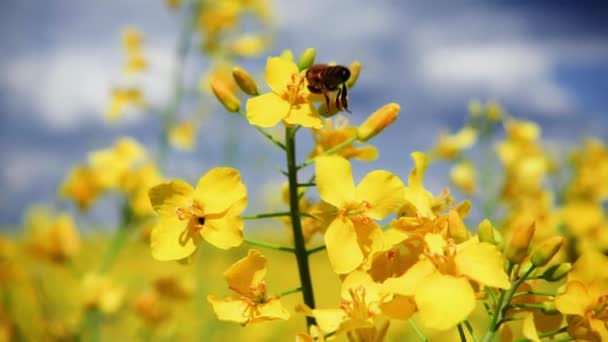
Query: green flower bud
column 307, row 58
column 244, row 80
column 543, row 253
column 557, row 272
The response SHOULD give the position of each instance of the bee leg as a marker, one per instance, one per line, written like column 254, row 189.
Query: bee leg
column 338, row 103
column 326, row 99
column 343, row 99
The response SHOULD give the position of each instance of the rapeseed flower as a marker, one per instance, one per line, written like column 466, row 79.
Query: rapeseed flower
column 188, row 215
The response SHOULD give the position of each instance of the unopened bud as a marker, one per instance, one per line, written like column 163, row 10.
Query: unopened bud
column 244, row 80
column 524, row 269
column 378, row 121
column 517, row 249
column 456, row 228
column 225, row 96
column 557, row 272
column 487, row 233
column 543, row 253
column 307, row 58
column 355, row 70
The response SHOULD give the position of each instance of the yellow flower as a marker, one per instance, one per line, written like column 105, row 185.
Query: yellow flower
column 136, row 183
column 288, row 100
column 585, row 299
column 334, row 134
column 131, row 39
column 82, row 185
column 418, row 201
column 449, row 146
column 352, row 233
column 590, row 172
column 111, row 164
column 210, row 211
column 183, row 135
column 446, row 265
column 136, row 62
column 149, row 306
column 248, row 45
column 121, row 100
column 55, row 238
column 463, row 176
column 360, row 307
column 252, row 303
column 101, row 293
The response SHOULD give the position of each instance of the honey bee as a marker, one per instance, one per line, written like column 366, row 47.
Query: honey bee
column 323, row 78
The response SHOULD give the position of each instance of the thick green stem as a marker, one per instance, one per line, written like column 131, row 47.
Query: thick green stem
column 298, row 237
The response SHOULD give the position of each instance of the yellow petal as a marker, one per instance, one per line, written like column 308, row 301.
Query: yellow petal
column 400, row 307
column 278, row 73
column 383, row 191
column 528, row 328
column 172, row 240
column 360, row 279
column 219, row 189
column 343, row 246
column 304, row 114
column 329, row 319
column 225, row 232
column 167, row 197
column 266, row 110
column 483, row 263
column 334, row 180
column 406, row 284
column 229, row 309
column 246, row 273
column 272, row 310
column 366, row 153
column 575, row 300
column 438, row 305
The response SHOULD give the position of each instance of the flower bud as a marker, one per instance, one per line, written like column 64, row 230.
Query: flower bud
column 307, row 58
column 524, row 268
column 245, row 81
column 378, row 121
column 355, row 70
column 549, row 308
column 487, row 233
column 287, row 55
column 456, row 228
column 543, row 253
column 225, row 96
column 557, row 272
column 517, row 249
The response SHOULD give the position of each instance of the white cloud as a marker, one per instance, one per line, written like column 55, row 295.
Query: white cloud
column 517, row 72
column 68, row 86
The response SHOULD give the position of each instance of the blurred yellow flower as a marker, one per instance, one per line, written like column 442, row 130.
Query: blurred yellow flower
column 463, row 176
column 450, row 146
column 187, row 215
column 55, row 238
column 252, row 303
column 352, row 233
column 121, row 100
column 82, row 185
column 99, row 292
column 248, row 45
column 111, row 164
column 288, row 100
column 183, row 135
column 418, row 201
column 149, row 306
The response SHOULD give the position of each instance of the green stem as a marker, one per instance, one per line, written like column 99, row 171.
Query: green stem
column 292, row 291
column 264, row 133
column 493, row 296
column 417, row 331
column 463, row 338
column 470, row 329
column 503, row 304
column 316, row 249
column 305, row 185
column 92, row 325
column 553, row 332
column 265, row 215
column 330, row 151
column 298, row 237
column 181, row 52
column 533, row 293
column 527, row 306
column 270, row 245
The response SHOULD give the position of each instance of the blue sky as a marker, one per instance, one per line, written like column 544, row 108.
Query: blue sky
column 546, row 61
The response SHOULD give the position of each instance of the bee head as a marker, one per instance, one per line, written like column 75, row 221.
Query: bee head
column 343, row 73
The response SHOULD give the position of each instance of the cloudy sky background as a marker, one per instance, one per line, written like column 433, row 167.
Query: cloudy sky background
column 546, row 62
